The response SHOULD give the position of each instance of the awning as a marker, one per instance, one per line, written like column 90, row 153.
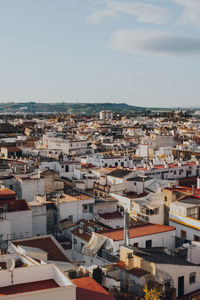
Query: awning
column 94, row 244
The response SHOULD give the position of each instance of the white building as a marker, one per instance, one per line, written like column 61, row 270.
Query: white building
column 106, row 115
column 185, row 216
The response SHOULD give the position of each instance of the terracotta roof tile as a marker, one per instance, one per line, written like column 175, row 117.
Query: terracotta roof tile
column 89, row 289
column 114, row 215
column 45, row 243
column 12, row 205
column 137, row 231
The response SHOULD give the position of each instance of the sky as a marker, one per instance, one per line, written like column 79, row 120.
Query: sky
column 139, row 52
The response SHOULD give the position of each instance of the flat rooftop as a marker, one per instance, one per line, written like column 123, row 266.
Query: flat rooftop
column 28, row 287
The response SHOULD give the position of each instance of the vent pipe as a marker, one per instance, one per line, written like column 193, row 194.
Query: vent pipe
column 126, row 227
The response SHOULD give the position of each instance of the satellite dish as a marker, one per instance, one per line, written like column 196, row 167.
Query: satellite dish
column 10, row 264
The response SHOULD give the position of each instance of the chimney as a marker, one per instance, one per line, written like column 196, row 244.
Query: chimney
column 198, row 182
column 193, row 189
column 126, row 227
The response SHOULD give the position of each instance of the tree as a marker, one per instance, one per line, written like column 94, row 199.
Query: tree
column 152, row 294
column 97, row 275
column 117, row 294
column 72, row 274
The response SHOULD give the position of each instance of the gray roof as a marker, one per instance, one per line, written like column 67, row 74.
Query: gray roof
column 119, row 173
column 158, row 256
column 140, row 179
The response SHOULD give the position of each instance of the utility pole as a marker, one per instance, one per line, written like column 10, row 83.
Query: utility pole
column 58, row 213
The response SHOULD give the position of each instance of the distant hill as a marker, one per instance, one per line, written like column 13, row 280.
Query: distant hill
column 87, row 108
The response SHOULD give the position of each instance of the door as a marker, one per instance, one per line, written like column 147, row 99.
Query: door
column 180, row 286
column 149, row 244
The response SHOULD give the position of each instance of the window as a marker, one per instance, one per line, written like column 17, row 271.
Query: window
column 192, row 277
column 135, row 245
column 148, row 243
column 183, row 234
column 196, row 238
column 85, row 208
column 165, row 198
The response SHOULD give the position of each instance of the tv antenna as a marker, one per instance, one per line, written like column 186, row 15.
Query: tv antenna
column 10, row 265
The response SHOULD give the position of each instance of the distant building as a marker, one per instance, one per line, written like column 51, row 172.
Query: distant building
column 106, row 115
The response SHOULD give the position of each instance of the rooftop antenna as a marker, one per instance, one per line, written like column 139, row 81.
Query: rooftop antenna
column 10, row 265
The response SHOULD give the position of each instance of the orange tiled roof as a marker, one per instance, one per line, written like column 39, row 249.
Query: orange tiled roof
column 45, row 243
column 113, row 215
column 88, row 288
column 6, row 192
column 137, row 231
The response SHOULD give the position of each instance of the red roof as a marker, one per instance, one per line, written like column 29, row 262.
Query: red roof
column 5, row 193
column 89, row 289
column 114, row 215
column 28, row 287
column 137, row 231
column 45, row 243
column 12, row 205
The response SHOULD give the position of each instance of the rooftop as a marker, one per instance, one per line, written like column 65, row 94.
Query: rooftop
column 12, row 205
column 119, row 173
column 137, row 231
column 158, row 256
column 89, row 289
column 140, row 178
column 46, row 243
column 28, row 287
column 6, row 192
column 109, row 216
column 138, row 272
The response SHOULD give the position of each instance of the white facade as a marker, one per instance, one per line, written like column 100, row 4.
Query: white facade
column 5, row 229
column 163, row 239
column 39, row 218
column 106, row 115
column 76, row 209
column 21, row 223
column 30, row 187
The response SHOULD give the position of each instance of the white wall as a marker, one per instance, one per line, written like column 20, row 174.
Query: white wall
column 179, row 270
column 75, row 208
column 39, row 219
column 164, row 239
column 5, row 229
column 21, row 223
column 32, row 187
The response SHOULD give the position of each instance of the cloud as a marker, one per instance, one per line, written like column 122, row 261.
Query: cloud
column 155, row 43
column 146, row 13
column 101, row 15
column 191, row 11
